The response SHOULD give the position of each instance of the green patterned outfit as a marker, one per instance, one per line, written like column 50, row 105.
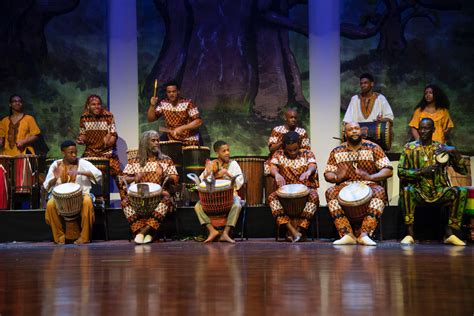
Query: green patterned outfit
column 418, row 189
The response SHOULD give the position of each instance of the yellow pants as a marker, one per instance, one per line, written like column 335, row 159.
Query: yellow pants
column 54, row 220
column 232, row 217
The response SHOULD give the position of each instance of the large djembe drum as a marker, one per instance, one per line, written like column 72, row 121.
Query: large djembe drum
column 293, row 198
column 355, row 199
column 379, row 132
column 216, row 201
column 252, row 167
column 144, row 197
column 174, row 149
column 68, row 200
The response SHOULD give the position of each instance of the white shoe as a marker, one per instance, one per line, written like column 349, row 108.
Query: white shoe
column 408, row 240
column 345, row 240
column 148, row 239
column 366, row 241
column 139, row 239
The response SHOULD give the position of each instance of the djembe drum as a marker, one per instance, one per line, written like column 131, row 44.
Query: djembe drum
column 355, row 199
column 217, row 201
column 194, row 161
column 5, row 171
column 252, row 167
column 379, row 132
column 293, row 198
column 144, row 197
column 174, row 149
column 25, row 173
column 68, row 200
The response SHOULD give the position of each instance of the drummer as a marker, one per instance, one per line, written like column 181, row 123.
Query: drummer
column 99, row 135
column 290, row 165
column 181, row 116
column 222, row 168
column 368, row 106
column 71, row 169
column 275, row 141
column 357, row 160
column 426, row 181
column 150, row 165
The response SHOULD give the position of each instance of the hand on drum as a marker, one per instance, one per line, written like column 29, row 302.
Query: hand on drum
column 280, row 181
column 363, row 174
column 305, row 175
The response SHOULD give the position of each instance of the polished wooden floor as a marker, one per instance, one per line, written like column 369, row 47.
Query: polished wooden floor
column 255, row 277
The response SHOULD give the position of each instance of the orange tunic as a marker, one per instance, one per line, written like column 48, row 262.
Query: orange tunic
column 441, row 119
column 26, row 127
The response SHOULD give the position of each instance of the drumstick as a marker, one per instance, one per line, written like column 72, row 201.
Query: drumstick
column 154, row 90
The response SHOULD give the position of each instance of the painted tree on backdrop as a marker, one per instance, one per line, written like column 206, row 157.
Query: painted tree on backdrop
column 231, row 53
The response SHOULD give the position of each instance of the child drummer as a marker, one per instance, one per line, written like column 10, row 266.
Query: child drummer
column 292, row 165
column 222, row 168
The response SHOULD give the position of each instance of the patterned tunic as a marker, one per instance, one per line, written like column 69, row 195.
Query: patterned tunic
column 370, row 158
column 280, row 131
column 175, row 116
column 155, row 171
column 434, row 188
column 291, row 170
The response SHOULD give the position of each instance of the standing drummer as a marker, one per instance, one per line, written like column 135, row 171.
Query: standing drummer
column 150, row 165
column 222, row 168
column 357, row 160
column 181, row 116
column 71, row 169
column 290, row 165
column 368, row 106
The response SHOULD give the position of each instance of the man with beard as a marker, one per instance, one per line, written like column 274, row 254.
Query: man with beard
column 427, row 182
column 368, row 106
column 151, row 165
column 275, row 141
column 290, row 165
column 181, row 116
column 357, row 160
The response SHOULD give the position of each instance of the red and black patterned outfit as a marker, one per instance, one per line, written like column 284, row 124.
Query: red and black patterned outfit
column 155, row 171
column 184, row 112
column 95, row 128
column 370, row 158
column 291, row 170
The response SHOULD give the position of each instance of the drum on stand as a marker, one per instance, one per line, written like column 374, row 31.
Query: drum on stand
column 252, row 167
column 144, row 197
column 68, row 200
column 194, row 161
column 354, row 199
column 174, row 149
column 5, row 172
column 293, row 198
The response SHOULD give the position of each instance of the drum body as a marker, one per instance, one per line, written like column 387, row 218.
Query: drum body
column 68, row 199
column 458, row 179
column 5, row 184
column 219, row 201
column 355, row 199
column 293, row 198
column 252, row 167
column 25, row 173
column 194, row 160
column 144, row 203
column 174, row 149
column 101, row 189
column 377, row 132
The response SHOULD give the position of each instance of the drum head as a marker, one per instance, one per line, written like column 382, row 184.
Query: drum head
column 153, row 187
column 66, row 188
column 293, row 191
column 355, row 194
column 220, row 184
column 442, row 158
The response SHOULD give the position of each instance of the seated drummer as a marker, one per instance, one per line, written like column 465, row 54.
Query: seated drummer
column 426, row 181
column 291, row 165
column 74, row 170
column 151, row 165
column 275, row 141
column 181, row 116
column 222, row 168
column 357, row 160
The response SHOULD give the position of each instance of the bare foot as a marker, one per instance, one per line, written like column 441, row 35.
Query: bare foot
column 61, row 240
column 81, row 241
column 226, row 237
column 212, row 235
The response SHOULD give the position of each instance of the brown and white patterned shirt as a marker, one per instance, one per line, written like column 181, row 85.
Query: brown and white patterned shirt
column 280, row 131
column 369, row 157
column 291, row 169
column 175, row 116
column 155, row 170
column 94, row 128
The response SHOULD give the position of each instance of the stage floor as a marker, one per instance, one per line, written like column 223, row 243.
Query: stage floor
column 255, row 277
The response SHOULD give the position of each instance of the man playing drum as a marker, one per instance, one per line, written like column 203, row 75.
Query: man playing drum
column 222, row 168
column 275, row 141
column 357, row 160
column 151, row 165
column 99, row 135
column 71, row 169
column 422, row 167
column 181, row 116
column 290, row 165
column 368, row 106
